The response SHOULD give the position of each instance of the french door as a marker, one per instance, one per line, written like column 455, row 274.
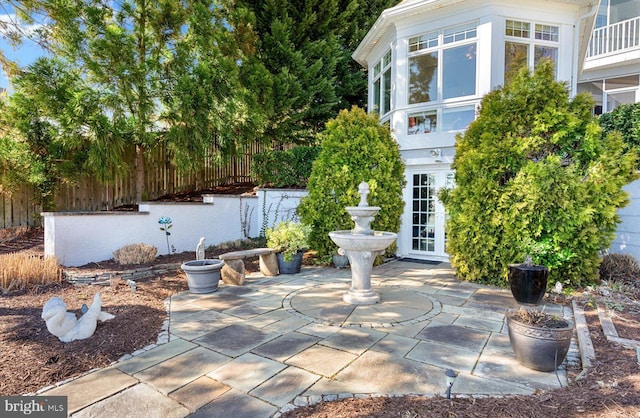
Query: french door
column 428, row 215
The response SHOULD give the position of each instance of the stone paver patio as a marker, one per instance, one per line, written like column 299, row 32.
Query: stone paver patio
column 256, row 350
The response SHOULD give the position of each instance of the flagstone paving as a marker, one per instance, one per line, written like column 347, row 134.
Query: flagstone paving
column 256, row 350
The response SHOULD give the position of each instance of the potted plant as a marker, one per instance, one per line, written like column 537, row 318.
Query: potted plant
column 290, row 239
column 539, row 340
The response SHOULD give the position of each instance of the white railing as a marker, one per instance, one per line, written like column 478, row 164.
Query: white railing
column 614, row 38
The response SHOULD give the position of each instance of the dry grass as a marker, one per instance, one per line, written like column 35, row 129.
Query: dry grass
column 18, row 271
column 135, row 254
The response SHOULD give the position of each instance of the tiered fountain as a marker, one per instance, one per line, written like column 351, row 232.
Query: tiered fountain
column 361, row 245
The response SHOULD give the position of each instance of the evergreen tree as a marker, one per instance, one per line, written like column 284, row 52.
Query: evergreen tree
column 158, row 71
column 535, row 177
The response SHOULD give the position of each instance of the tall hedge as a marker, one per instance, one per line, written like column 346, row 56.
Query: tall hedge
column 535, row 176
column 354, row 148
column 626, row 120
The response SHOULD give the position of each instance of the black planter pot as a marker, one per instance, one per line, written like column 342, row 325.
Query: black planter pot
column 290, row 267
column 528, row 282
column 536, row 347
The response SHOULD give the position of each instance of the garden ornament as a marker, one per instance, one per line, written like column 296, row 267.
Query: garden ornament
column 200, row 249
column 65, row 326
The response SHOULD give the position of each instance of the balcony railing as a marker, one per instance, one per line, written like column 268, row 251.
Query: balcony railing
column 615, row 38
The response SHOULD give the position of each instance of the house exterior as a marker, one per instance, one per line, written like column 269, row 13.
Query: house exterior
column 430, row 62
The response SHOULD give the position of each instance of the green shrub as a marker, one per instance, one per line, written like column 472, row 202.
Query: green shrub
column 288, row 237
column 354, row 148
column 625, row 119
column 284, row 168
column 535, row 176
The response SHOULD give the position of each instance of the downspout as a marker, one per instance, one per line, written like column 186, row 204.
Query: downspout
column 576, row 32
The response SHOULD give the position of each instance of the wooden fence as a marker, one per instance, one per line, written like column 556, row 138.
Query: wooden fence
column 161, row 178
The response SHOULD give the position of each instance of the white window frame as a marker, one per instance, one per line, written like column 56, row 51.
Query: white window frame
column 534, row 38
column 438, row 41
column 377, row 75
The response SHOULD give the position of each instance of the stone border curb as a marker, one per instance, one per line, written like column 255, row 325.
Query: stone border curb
column 76, row 277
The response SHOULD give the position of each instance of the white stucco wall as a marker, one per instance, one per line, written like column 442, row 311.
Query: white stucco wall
column 79, row 238
column 275, row 205
column 627, row 238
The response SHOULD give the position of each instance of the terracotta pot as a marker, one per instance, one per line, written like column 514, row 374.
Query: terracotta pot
column 290, row 267
column 536, row 347
column 203, row 276
column 528, row 282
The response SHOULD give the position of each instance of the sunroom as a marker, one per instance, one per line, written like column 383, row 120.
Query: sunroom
column 429, row 64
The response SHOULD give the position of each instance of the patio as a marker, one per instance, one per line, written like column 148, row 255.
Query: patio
column 262, row 348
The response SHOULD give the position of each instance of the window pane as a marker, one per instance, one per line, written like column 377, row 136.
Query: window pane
column 460, row 33
column 516, row 56
column 517, row 29
column 546, row 53
column 422, row 122
column 376, row 70
column 547, row 33
column 376, row 96
column 459, row 71
column 386, row 60
column 457, row 118
column 423, row 78
column 387, row 91
column 429, row 40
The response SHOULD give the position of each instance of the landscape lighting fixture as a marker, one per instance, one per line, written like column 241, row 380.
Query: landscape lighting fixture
column 450, row 377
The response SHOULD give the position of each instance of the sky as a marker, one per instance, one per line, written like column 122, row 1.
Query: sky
column 24, row 55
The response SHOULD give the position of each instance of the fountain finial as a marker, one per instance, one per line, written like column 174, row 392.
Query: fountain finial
column 363, row 189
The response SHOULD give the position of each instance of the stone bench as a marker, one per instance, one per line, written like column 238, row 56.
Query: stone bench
column 233, row 270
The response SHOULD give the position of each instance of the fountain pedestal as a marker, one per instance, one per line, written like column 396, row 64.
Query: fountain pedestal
column 362, row 245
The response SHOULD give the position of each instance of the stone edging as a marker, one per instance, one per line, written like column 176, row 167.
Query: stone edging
column 102, row 278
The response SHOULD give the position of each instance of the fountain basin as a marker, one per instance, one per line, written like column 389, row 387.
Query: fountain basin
column 349, row 241
column 362, row 211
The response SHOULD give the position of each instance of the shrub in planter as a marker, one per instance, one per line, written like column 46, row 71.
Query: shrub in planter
column 539, row 340
column 354, row 148
column 534, row 169
column 288, row 237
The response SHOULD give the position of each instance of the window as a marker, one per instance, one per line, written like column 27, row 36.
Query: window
column 422, row 122
column 526, row 48
column 442, row 64
column 381, row 90
column 450, row 119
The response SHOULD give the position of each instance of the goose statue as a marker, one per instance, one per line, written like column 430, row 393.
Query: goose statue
column 65, row 326
column 200, row 249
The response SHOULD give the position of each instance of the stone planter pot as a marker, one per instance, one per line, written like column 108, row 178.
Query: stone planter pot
column 528, row 282
column 537, row 347
column 340, row 261
column 203, row 276
column 290, row 267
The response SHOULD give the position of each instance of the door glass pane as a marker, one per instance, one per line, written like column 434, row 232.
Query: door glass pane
column 459, row 71
column 423, row 78
column 424, row 186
